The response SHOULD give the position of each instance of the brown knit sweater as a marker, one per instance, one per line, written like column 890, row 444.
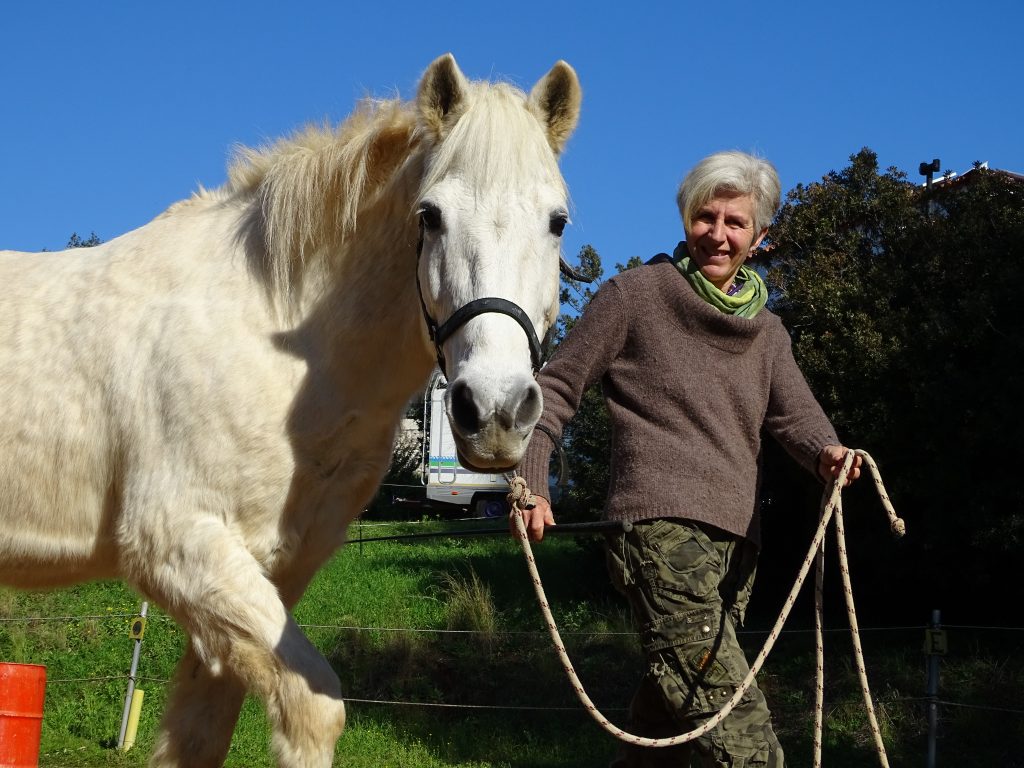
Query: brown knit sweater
column 688, row 389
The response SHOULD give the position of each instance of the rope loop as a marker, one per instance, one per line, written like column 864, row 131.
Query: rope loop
column 831, row 505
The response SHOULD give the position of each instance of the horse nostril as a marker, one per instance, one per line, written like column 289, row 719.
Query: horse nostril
column 529, row 408
column 464, row 411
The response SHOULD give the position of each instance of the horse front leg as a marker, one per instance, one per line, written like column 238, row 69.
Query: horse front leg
column 243, row 638
column 200, row 717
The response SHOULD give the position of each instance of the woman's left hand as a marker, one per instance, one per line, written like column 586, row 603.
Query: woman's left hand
column 830, row 461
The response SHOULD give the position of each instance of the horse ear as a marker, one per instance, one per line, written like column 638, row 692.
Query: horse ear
column 442, row 88
column 556, row 99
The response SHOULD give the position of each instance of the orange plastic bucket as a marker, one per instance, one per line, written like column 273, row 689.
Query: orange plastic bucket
column 22, row 692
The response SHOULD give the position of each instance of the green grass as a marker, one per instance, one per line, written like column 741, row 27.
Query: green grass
column 502, row 660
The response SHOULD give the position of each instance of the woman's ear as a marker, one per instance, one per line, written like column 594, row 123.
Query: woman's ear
column 757, row 242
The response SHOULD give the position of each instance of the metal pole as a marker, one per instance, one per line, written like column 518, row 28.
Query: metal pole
column 565, row 529
column 927, row 170
column 131, row 682
column 934, row 647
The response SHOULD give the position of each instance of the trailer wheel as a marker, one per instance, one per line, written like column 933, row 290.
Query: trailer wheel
column 491, row 505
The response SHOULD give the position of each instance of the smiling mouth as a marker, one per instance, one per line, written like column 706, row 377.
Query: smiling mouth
column 715, row 256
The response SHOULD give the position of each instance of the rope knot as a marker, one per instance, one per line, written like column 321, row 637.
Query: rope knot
column 519, row 494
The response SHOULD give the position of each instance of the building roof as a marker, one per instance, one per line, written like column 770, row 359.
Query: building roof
column 967, row 177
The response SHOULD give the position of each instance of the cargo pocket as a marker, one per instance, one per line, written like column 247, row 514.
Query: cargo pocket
column 680, row 629
column 737, row 750
column 684, row 565
column 677, row 643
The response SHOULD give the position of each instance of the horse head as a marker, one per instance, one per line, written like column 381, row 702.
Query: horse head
column 492, row 206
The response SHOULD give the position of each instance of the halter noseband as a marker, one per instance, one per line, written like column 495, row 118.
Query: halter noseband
column 478, row 307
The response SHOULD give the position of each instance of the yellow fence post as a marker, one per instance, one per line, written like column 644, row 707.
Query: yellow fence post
column 133, row 719
column 138, row 629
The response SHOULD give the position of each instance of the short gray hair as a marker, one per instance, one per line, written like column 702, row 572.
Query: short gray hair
column 736, row 173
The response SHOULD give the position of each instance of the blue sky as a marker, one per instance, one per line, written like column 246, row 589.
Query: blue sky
column 111, row 111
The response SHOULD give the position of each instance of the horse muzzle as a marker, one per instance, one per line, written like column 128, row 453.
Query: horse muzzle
column 491, row 431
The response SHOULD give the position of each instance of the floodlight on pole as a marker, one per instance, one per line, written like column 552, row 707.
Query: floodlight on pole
column 928, row 170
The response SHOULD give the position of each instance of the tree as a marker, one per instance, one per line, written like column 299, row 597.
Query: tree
column 835, row 259
column 905, row 324
column 77, row 242
column 575, row 295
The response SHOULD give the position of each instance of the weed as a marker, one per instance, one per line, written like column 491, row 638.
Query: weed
column 8, row 602
column 468, row 605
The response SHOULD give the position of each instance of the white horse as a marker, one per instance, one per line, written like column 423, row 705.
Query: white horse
column 201, row 406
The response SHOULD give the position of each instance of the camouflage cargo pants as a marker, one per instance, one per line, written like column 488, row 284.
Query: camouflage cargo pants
column 688, row 585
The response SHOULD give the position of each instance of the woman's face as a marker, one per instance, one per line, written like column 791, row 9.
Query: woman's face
column 722, row 236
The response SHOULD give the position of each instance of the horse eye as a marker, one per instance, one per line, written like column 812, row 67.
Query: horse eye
column 558, row 222
column 430, row 216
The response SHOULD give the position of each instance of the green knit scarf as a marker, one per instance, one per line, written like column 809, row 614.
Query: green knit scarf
column 747, row 302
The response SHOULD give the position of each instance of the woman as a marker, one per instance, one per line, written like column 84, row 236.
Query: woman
column 693, row 367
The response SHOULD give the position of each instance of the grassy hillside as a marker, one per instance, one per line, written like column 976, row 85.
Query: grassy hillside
column 500, row 661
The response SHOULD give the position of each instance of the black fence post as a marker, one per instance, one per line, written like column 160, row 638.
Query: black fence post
column 934, row 647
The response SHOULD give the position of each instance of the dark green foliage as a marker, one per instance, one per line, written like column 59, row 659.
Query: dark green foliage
column 576, row 295
column 907, row 326
column 831, row 275
column 77, row 242
column 588, row 440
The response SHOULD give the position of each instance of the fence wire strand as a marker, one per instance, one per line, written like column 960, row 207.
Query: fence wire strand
column 500, row 707
column 427, row 630
column 1008, row 710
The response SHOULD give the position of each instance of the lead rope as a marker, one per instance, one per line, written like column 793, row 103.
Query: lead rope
column 520, row 497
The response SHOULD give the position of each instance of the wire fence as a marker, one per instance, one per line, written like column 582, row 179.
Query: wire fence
column 121, row 617
column 510, row 632
column 375, row 685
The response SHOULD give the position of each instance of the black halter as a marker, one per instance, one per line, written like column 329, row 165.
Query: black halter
column 439, row 334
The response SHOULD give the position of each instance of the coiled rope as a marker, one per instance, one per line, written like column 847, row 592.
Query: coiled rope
column 520, row 498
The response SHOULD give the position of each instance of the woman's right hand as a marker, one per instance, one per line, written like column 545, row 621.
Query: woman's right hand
column 535, row 519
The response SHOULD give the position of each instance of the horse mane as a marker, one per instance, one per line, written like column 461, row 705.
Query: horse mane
column 309, row 188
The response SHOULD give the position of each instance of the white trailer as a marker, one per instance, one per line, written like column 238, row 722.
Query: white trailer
column 446, row 480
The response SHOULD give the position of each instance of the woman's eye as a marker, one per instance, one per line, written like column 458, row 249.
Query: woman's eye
column 430, row 216
column 558, row 222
